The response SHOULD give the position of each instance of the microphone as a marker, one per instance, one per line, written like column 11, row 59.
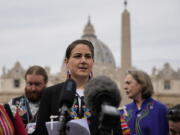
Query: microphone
column 68, row 93
column 67, row 98
column 101, row 90
column 102, row 97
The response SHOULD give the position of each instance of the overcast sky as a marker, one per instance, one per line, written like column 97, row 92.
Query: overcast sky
column 38, row 31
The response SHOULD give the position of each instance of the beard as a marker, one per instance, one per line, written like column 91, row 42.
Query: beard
column 33, row 96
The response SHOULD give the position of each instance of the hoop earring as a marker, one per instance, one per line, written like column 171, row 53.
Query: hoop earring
column 68, row 74
column 90, row 75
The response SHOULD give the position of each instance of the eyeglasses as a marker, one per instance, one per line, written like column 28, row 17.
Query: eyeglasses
column 174, row 114
column 33, row 83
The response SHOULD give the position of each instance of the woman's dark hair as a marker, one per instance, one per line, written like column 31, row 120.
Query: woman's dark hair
column 75, row 43
column 37, row 70
column 143, row 79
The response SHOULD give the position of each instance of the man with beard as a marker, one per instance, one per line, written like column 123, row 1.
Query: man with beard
column 28, row 104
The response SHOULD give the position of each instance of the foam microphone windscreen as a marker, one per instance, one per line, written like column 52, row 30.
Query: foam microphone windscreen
column 101, row 90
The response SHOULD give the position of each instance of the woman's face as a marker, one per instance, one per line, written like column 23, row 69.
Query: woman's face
column 80, row 62
column 132, row 87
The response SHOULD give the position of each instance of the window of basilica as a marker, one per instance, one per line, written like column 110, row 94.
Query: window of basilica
column 167, row 84
column 16, row 83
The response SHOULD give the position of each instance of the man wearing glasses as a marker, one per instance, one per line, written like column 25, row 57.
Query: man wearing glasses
column 28, row 104
column 174, row 120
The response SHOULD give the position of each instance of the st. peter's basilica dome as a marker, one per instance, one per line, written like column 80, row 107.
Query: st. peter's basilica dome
column 103, row 55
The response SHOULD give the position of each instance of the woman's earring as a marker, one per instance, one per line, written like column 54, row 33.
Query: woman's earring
column 68, row 74
column 90, row 75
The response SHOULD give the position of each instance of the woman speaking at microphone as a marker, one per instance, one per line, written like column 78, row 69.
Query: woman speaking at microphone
column 79, row 60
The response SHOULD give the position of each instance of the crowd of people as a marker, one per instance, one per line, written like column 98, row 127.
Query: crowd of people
column 29, row 113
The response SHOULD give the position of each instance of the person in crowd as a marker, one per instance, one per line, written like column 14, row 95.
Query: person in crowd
column 145, row 115
column 36, row 79
column 6, row 124
column 174, row 120
column 79, row 60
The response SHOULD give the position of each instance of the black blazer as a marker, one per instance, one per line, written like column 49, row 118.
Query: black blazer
column 49, row 105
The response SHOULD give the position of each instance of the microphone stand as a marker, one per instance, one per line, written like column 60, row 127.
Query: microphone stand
column 63, row 119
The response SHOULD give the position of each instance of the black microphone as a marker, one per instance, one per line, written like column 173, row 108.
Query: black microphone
column 101, row 90
column 68, row 93
column 67, row 98
column 102, row 97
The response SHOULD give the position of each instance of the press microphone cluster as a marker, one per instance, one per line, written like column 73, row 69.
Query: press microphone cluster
column 102, row 97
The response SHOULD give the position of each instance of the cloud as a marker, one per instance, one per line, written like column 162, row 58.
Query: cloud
column 38, row 31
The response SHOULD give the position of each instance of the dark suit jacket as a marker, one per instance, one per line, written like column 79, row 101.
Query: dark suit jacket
column 49, row 105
